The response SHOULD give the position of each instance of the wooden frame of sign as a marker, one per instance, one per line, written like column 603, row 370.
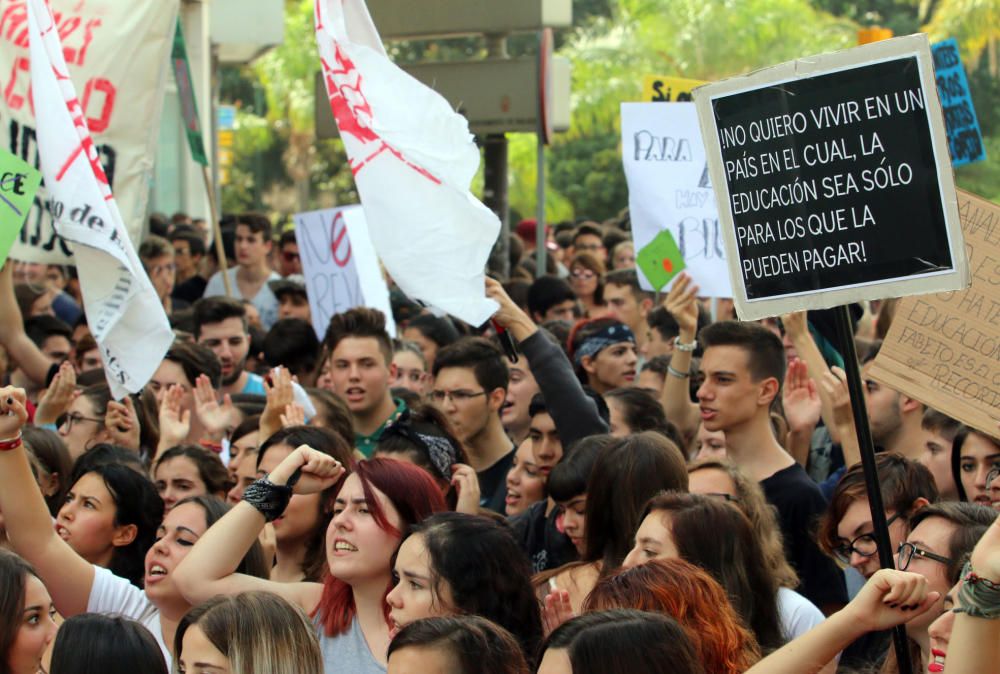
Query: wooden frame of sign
column 833, row 180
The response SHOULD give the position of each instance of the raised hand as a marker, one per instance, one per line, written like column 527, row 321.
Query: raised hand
column 280, row 394
column 986, row 555
column 556, row 610
column 465, row 480
column 800, row 398
column 216, row 419
column 13, row 413
column 319, row 471
column 682, row 303
column 58, row 397
column 294, row 415
column 891, row 598
column 175, row 422
column 122, row 423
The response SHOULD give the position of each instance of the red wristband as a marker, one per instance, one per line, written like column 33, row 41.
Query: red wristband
column 13, row 443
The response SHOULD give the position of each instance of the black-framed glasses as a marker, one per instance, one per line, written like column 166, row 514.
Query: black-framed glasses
column 864, row 544
column 908, row 550
column 458, row 396
column 70, row 419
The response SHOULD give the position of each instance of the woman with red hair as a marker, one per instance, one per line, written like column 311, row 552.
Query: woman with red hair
column 374, row 505
column 690, row 596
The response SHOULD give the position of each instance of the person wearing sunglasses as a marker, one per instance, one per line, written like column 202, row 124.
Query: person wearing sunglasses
column 289, row 261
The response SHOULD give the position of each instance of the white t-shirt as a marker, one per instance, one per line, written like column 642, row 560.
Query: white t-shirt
column 265, row 301
column 113, row 595
column 798, row 614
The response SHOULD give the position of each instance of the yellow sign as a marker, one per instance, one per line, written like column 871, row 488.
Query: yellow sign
column 225, row 138
column 873, row 34
column 658, row 88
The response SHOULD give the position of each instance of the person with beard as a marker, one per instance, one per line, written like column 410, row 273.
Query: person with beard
column 470, row 385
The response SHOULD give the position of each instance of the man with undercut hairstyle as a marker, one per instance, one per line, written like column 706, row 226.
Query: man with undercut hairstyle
column 362, row 372
column 470, row 385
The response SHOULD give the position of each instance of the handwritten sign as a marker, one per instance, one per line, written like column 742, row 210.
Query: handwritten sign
column 115, row 53
column 340, row 265
column 663, row 89
column 18, row 184
column 669, row 189
column 944, row 349
column 833, row 180
column 964, row 137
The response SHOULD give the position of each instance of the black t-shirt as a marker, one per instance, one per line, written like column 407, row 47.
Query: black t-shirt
column 546, row 546
column 800, row 504
column 191, row 290
column 493, row 483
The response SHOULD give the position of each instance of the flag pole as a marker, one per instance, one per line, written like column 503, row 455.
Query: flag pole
column 220, row 250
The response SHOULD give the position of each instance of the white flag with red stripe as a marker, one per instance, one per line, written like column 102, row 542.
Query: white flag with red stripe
column 413, row 159
column 123, row 311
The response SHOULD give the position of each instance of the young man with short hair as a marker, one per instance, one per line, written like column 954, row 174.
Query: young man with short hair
column 193, row 267
column 744, row 366
column 157, row 257
column 588, row 237
column 361, row 371
column 550, row 299
column 249, row 278
column 939, row 435
column 292, row 299
column 895, row 418
column 220, row 323
column 470, row 385
column 292, row 343
column 289, row 262
column 520, row 390
column 181, row 366
column 628, row 303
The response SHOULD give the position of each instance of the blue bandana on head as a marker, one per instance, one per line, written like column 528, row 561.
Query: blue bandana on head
column 615, row 333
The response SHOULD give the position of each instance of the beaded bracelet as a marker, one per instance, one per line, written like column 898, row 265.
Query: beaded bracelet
column 979, row 597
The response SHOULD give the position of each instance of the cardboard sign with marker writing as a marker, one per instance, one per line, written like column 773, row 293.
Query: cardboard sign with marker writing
column 944, row 349
column 18, row 184
column 833, row 180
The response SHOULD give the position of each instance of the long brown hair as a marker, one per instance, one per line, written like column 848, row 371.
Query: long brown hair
column 14, row 573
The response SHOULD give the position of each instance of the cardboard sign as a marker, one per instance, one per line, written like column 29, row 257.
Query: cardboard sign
column 18, row 184
column 117, row 55
column 340, row 266
column 669, row 189
column 833, row 180
column 964, row 137
column 661, row 260
column 944, row 349
column 662, row 89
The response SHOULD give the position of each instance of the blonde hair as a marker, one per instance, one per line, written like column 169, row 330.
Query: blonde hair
column 258, row 632
column 763, row 517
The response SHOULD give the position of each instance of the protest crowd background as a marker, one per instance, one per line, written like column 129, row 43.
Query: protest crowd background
column 596, row 477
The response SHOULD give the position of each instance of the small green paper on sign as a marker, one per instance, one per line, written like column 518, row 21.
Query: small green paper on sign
column 18, row 184
column 660, row 260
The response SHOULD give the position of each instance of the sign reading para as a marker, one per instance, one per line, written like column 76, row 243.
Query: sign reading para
column 663, row 89
column 944, row 349
column 340, row 265
column 18, row 184
column 669, row 189
column 964, row 137
column 833, row 180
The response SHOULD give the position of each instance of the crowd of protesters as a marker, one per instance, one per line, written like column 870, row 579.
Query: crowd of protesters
column 651, row 486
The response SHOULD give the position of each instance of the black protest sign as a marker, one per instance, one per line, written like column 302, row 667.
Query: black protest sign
column 835, row 183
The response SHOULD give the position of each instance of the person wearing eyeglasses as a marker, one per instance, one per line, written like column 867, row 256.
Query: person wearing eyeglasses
column 846, row 531
column 941, row 537
column 586, row 278
column 470, row 385
column 157, row 256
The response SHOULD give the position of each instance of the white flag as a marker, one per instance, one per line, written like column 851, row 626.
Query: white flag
column 413, row 159
column 123, row 310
